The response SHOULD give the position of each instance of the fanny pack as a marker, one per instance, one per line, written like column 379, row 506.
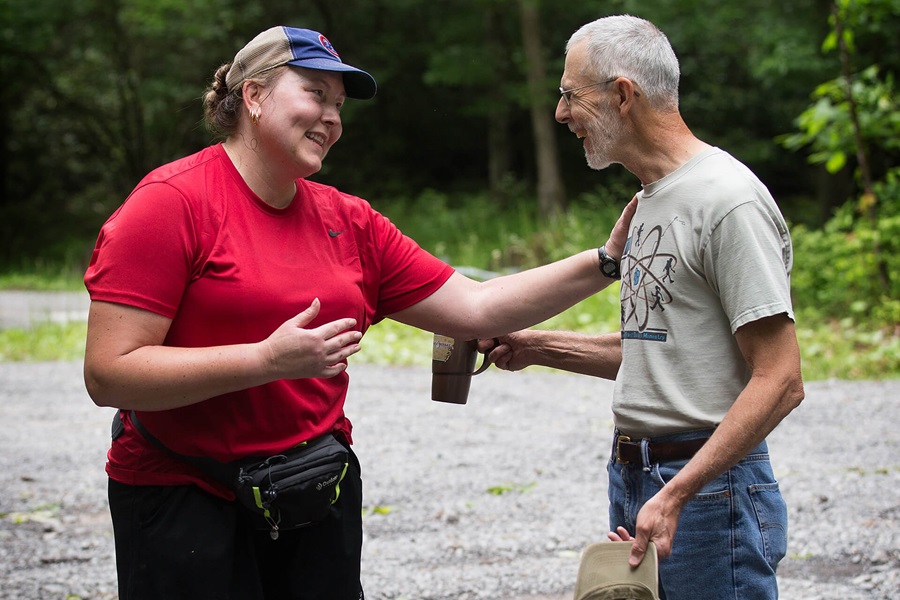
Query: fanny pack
column 289, row 490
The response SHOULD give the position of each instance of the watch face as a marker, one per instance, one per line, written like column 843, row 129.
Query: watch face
column 608, row 265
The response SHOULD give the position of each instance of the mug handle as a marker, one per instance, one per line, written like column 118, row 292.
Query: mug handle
column 486, row 363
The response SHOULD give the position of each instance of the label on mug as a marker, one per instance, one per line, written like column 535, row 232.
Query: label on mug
column 443, row 348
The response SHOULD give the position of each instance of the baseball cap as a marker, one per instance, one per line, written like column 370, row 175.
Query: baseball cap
column 306, row 48
column 605, row 574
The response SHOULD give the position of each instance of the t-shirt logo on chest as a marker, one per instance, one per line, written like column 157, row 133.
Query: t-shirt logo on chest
column 647, row 288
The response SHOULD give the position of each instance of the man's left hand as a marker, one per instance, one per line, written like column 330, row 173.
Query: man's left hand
column 656, row 522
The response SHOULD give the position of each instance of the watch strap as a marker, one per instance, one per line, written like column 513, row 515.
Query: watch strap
column 609, row 266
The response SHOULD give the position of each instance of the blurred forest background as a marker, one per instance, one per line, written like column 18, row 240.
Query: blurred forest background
column 460, row 147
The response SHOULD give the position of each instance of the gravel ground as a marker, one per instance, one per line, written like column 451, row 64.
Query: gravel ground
column 493, row 500
column 21, row 308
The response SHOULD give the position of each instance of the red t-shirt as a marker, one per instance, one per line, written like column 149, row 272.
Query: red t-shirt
column 193, row 243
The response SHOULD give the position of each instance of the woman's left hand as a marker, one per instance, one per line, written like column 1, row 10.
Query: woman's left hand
column 294, row 352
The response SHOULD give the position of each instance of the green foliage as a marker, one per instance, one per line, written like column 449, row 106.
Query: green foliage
column 100, row 93
column 836, row 268
column 467, row 230
column 746, row 71
column 826, row 126
column 474, row 231
column 864, row 20
column 846, row 274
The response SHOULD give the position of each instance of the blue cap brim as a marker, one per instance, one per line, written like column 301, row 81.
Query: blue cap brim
column 357, row 83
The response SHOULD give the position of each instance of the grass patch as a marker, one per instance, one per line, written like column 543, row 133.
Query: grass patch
column 829, row 349
column 833, row 349
column 393, row 343
column 44, row 342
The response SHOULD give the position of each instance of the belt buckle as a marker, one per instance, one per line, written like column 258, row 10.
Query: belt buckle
column 619, row 440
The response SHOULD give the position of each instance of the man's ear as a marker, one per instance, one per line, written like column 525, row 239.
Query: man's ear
column 627, row 93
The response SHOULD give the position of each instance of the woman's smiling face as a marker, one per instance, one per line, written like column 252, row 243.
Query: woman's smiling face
column 301, row 119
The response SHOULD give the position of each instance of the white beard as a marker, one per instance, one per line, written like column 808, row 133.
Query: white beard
column 603, row 133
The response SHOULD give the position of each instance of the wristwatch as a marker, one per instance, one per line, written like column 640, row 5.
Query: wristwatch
column 608, row 265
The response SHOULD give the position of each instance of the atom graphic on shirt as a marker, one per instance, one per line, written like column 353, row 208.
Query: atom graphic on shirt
column 649, row 274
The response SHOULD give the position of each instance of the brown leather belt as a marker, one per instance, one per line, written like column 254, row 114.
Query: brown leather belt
column 629, row 452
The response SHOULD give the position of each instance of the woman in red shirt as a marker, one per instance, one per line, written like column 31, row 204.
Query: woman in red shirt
column 227, row 293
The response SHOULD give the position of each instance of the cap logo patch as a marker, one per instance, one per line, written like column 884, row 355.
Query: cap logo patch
column 327, row 45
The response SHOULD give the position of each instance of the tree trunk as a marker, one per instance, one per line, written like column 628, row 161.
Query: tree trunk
column 550, row 189
column 499, row 148
column 868, row 202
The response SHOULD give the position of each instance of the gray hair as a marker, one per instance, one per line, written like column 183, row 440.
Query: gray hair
column 631, row 47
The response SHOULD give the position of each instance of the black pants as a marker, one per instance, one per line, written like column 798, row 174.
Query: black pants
column 176, row 542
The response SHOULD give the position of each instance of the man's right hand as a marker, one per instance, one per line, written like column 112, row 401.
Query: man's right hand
column 511, row 354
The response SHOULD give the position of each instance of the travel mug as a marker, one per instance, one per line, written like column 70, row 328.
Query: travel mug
column 452, row 367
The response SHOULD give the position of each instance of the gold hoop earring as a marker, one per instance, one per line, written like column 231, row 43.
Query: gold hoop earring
column 255, row 114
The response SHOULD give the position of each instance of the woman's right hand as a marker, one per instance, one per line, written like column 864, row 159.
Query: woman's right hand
column 294, row 352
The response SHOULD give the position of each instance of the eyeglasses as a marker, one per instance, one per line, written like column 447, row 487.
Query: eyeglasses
column 567, row 94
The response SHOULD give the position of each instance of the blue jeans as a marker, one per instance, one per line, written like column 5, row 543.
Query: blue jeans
column 730, row 536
